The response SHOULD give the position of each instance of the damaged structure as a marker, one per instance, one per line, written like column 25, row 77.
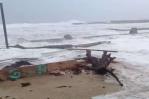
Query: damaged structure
column 97, row 65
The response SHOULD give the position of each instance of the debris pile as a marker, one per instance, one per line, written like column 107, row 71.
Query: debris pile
column 100, row 66
column 17, row 64
column 88, row 64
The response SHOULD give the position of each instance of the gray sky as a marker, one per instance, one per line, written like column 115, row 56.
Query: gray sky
column 19, row 11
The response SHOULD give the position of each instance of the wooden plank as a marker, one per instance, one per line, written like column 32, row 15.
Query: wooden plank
column 92, row 44
column 91, row 49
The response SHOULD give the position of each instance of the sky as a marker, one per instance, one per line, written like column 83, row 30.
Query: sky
column 44, row 11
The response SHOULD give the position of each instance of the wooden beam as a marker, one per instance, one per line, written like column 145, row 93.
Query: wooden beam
column 93, row 50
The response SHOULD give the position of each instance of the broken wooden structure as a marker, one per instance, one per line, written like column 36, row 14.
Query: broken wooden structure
column 63, row 46
column 101, row 65
column 24, row 69
column 14, row 73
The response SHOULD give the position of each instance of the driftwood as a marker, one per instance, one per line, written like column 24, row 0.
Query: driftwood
column 100, row 66
column 91, row 49
column 62, row 46
column 49, row 46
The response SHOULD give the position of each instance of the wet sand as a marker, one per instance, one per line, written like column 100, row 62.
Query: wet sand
column 68, row 86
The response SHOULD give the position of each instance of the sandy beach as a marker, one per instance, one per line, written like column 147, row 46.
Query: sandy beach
column 69, row 86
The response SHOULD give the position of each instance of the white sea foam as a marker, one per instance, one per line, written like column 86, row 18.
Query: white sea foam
column 133, row 49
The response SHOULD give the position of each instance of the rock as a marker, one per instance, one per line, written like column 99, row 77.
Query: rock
column 68, row 37
column 30, row 90
column 133, row 31
column 7, row 97
column 64, row 86
column 103, row 87
column 25, row 84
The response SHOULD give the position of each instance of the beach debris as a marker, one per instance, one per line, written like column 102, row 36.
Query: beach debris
column 63, row 46
column 41, row 69
column 85, row 49
column 25, row 84
column 14, row 74
column 7, row 97
column 85, row 65
column 133, row 31
column 68, row 37
column 17, row 64
column 64, row 86
column 78, row 69
column 48, row 46
column 100, row 65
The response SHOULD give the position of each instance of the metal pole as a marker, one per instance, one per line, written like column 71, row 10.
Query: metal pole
column 4, row 25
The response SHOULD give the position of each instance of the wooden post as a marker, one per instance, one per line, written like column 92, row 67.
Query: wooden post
column 4, row 25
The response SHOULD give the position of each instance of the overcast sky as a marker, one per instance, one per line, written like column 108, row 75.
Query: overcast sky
column 17, row 11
